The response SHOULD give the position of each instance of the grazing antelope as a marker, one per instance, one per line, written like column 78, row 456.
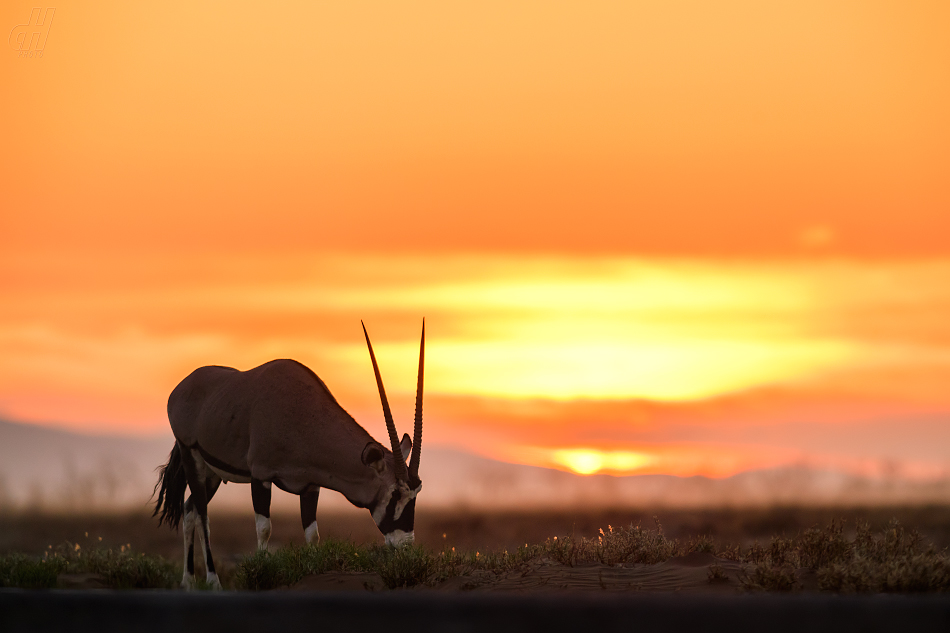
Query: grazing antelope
column 278, row 424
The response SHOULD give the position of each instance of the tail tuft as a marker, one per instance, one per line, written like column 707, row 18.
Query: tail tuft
column 171, row 490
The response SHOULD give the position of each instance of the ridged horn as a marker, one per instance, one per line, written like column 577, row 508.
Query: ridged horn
column 417, row 426
column 400, row 463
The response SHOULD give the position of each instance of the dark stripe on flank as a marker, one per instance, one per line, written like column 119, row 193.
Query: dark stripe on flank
column 217, row 463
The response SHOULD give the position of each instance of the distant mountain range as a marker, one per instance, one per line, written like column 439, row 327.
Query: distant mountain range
column 51, row 469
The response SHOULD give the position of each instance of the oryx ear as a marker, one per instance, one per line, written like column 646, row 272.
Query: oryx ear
column 373, row 456
column 405, row 445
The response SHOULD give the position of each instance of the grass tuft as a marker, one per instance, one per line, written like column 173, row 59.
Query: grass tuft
column 27, row 572
column 404, row 567
column 119, row 569
column 125, row 570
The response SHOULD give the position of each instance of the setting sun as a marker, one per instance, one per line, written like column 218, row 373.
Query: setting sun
column 586, row 461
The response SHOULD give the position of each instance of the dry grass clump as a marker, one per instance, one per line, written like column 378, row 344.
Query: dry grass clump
column 452, row 563
column 897, row 560
column 633, row 544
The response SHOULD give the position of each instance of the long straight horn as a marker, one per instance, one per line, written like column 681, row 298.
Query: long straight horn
column 417, row 428
column 400, row 463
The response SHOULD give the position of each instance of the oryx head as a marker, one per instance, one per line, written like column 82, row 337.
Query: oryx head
column 394, row 508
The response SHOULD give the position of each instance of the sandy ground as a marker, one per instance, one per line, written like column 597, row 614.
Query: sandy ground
column 689, row 574
column 685, row 574
column 233, row 537
column 233, row 534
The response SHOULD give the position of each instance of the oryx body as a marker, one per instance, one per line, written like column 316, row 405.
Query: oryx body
column 278, row 424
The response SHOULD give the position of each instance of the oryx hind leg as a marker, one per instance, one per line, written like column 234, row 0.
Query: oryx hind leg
column 188, row 528
column 203, row 484
column 260, row 497
column 308, row 515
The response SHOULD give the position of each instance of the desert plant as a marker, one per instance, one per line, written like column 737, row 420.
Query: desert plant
column 703, row 544
column 717, row 574
column 896, row 560
column 766, row 577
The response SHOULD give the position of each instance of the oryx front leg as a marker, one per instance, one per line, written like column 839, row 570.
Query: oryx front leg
column 308, row 515
column 260, row 497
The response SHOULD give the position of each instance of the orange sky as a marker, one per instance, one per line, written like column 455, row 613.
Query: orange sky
column 681, row 237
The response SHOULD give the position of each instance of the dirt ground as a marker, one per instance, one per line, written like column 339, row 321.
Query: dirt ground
column 233, row 535
column 683, row 574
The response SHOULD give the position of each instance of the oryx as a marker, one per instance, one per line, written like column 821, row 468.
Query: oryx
column 278, row 424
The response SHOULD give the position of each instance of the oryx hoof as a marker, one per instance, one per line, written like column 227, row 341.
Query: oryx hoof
column 214, row 582
column 312, row 534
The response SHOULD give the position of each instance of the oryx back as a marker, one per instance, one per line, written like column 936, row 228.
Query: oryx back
column 277, row 422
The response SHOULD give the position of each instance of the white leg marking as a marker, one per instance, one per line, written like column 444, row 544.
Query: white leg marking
column 312, row 534
column 188, row 580
column 398, row 538
column 199, row 537
column 263, row 530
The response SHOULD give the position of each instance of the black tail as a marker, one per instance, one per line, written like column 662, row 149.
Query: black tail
column 171, row 490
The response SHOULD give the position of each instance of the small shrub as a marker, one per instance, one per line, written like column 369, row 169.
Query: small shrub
column 564, row 550
column 765, row 577
column 783, row 552
column 894, row 561
column 821, row 548
column 703, row 544
column 717, row 574
column 634, row 545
